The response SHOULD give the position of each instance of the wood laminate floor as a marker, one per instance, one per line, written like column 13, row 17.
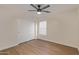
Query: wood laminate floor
column 41, row 47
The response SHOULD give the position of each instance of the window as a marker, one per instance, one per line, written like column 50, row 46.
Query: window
column 43, row 27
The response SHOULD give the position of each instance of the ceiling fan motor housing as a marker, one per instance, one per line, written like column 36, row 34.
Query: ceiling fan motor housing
column 39, row 10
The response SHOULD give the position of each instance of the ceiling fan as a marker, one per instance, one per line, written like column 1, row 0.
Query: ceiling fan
column 39, row 8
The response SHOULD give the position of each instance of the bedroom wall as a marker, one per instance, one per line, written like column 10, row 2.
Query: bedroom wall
column 7, row 31
column 25, row 30
column 13, row 32
column 15, row 27
column 63, row 28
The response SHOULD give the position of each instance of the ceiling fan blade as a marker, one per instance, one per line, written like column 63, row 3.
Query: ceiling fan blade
column 32, row 10
column 46, row 11
column 34, row 6
column 45, row 7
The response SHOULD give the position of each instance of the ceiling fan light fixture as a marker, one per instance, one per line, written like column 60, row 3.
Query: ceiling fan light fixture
column 39, row 13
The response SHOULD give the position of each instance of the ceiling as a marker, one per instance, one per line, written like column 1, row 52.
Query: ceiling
column 21, row 9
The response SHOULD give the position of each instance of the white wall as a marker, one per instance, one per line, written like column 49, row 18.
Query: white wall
column 63, row 28
column 7, row 31
column 25, row 30
column 12, row 30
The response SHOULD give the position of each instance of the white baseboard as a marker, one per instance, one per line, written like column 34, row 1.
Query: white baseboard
column 70, row 45
column 9, row 46
column 13, row 45
column 24, row 41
